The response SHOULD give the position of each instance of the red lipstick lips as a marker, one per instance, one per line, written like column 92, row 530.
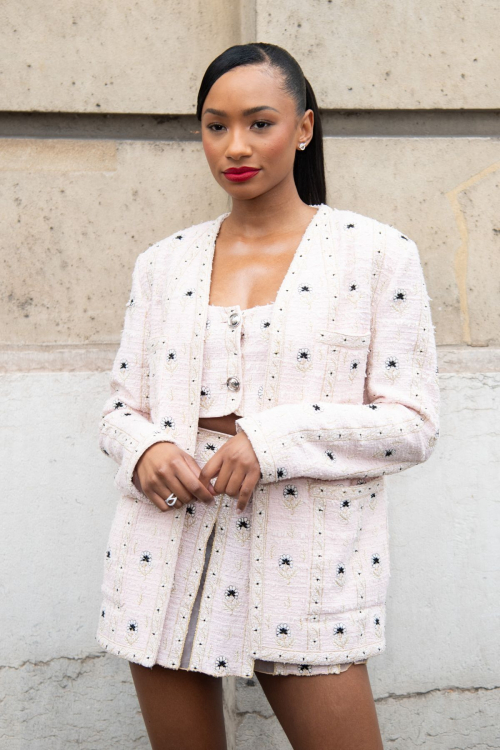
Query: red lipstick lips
column 240, row 174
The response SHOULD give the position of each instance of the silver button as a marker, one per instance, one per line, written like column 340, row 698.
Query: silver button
column 234, row 319
column 233, row 383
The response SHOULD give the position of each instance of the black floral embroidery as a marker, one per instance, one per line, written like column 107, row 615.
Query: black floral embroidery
column 145, row 562
column 210, row 447
column 179, row 236
column 124, row 365
column 265, row 323
column 340, row 633
column 281, row 472
column 285, row 561
column 231, row 595
column 283, row 629
column 105, row 451
column 392, row 363
column 399, row 295
column 404, row 238
column 304, row 288
column 291, row 496
column 372, row 406
column 243, row 529
column 131, row 302
column 190, row 509
column 304, row 668
column 392, row 368
column 350, row 226
column 221, row 664
column 353, row 287
column 132, row 626
column 388, row 452
column 231, row 592
column 304, row 355
column 340, row 574
column 205, row 391
column 317, row 407
column 189, row 292
column 171, row 355
column 108, row 554
column 376, row 564
column 167, row 423
column 330, row 455
column 103, row 612
column 354, row 365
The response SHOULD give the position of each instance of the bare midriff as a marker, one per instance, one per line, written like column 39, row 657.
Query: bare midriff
column 220, row 424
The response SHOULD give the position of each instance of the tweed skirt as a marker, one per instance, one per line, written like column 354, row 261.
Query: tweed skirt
column 207, row 619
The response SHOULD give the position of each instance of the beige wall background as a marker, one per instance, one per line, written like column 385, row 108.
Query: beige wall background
column 98, row 148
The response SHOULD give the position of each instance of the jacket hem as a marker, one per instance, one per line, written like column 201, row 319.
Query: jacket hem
column 329, row 659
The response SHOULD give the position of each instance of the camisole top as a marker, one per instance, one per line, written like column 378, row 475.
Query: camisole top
column 234, row 359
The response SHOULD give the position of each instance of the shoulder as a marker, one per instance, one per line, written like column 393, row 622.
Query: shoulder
column 385, row 239
column 178, row 241
column 353, row 220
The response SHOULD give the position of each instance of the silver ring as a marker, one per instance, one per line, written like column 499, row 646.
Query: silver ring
column 171, row 500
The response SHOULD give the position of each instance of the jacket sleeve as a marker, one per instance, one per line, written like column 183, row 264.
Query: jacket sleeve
column 396, row 427
column 126, row 430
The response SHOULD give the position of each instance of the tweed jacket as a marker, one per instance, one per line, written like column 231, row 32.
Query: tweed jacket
column 353, row 314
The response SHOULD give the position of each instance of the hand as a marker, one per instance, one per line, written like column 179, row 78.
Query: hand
column 164, row 468
column 237, row 467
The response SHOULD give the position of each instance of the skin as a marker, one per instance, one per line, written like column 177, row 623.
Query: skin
column 254, row 248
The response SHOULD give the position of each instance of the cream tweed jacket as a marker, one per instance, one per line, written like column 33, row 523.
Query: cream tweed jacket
column 353, row 311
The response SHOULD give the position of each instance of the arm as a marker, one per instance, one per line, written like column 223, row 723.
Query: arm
column 399, row 426
column 125, row 430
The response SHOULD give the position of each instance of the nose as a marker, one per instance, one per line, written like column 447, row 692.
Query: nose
column 237, row 146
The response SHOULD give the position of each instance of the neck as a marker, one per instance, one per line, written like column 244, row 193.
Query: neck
column 265, row 217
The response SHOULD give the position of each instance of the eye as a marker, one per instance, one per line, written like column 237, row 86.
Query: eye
column 215, row 126
column 261, row 122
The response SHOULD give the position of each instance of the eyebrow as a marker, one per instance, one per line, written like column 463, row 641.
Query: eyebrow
column 245, row 112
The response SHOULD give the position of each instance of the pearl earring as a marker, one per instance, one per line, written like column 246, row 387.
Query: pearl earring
column 302, row 146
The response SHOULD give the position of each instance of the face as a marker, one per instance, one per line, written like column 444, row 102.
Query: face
column 265, row 139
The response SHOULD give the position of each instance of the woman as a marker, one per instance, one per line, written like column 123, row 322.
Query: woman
column 275, row 364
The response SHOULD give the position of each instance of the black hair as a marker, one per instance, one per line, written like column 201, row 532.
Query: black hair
column 309, row 165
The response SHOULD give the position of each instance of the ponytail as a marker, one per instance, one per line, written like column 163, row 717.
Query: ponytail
column 309, row 165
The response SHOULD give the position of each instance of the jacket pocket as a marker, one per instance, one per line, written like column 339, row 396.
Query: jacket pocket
column 337, row 546
column 345, row 359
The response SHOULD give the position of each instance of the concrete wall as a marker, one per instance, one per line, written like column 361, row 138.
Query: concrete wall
column 97, row 139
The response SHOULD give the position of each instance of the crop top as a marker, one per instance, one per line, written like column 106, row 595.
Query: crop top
column 234, row 359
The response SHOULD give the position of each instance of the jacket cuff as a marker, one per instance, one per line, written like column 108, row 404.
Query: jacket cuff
column 124, row 476
column 262, row 449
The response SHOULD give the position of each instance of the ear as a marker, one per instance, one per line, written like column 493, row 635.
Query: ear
column 306, row 127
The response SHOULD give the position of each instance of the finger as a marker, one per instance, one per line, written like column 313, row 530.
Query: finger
column 164, row 486
column 246, row 491
column 197, row 471
column 235, row 481
column 190, row 479
column 211, row 468
column 160, row 502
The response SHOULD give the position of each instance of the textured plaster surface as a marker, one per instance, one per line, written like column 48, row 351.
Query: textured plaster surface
column 94, row 57
column 151, row 59
column 436, row 685
column 77, row 214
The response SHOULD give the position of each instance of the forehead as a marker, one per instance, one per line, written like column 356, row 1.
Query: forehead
column 245, row 87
